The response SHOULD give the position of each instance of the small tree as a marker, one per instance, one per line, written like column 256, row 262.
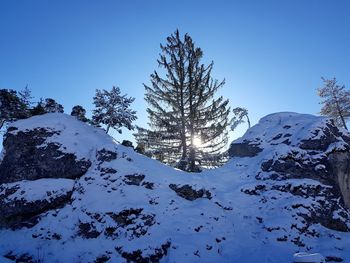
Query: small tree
column 51, row 105
column 239, row 114
column 38, row 109
column 113, row 110
column 336, row 101
column 26, row 97
column 11, row 107
column 79, row 112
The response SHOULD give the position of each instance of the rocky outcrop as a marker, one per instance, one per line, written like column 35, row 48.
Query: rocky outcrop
column 340, row 165
column 281, row 192
column 29, row 157
column 300, row 146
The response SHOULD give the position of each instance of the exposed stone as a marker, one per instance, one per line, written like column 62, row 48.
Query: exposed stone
column 106, row 155
column 134, row 179
column 340, row 163
column 134, row 220
column 187, row 192
column 29, row 158
column 138, row 256
column 245, row 149
column 87, row 230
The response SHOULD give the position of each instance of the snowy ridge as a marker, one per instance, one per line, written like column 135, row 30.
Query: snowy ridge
column 127, row 207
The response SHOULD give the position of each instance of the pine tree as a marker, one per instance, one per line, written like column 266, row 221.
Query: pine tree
column 79, row 112
column 182, row 108
column 38, row 109
column 50, row 106
column 239, row 113
column 113, row 110
column 26, row 97
column 11, row 107
column 336, row 101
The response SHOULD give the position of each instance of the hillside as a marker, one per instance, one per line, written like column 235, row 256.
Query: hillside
column 69, row 193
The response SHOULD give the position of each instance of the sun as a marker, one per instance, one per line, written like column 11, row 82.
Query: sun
column 197, row 142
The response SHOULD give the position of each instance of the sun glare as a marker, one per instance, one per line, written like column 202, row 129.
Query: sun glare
column 197, row 141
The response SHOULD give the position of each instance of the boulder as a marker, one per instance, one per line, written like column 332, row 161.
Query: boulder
column 244, row 149
column 29, row 157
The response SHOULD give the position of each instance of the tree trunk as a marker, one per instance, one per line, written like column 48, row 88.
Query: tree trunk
column 108, row 126
column 339, row 111
column 248, row 122
column 341, row 116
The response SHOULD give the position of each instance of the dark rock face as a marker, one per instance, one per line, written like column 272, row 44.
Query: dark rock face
column 329, row 134
column 187, row 192
column 106, row 155
column 245, row 149
column 29, row 158
column 340, row 164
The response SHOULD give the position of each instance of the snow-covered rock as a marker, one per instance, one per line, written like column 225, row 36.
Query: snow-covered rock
column 33, row 150
column 129, row 208
column 299, row 146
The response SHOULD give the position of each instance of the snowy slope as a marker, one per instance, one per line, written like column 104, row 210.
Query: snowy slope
column 126, row 208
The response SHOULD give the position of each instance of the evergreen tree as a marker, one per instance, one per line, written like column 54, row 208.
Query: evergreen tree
column 239, row 114
column 11, row 107
column 38, row 109
column 156, row 145
column 79, row 112
column 182, row 108
column 26, row 97
column 336, row 101
column 113, row 110
column 50, row 105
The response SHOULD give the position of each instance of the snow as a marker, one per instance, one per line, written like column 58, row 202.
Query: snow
column 90, row 138
column 306, row 257
column 200, row 230
column 41, row 189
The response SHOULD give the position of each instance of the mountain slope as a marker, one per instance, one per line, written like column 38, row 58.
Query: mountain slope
column 113, row 205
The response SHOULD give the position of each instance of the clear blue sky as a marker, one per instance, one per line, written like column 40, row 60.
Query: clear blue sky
column 271, row 53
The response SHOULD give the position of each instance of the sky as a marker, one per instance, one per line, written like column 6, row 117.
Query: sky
column 272, row 54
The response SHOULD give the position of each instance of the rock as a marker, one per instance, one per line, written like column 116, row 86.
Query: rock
column 106, row 155
column 316, row 149
column 187, row 192
column 245, row 149
column 134, row 179
column 137, row 256
column 340, row 164
column 28, row 157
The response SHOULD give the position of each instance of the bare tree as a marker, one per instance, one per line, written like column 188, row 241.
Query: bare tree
column 336, row 101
